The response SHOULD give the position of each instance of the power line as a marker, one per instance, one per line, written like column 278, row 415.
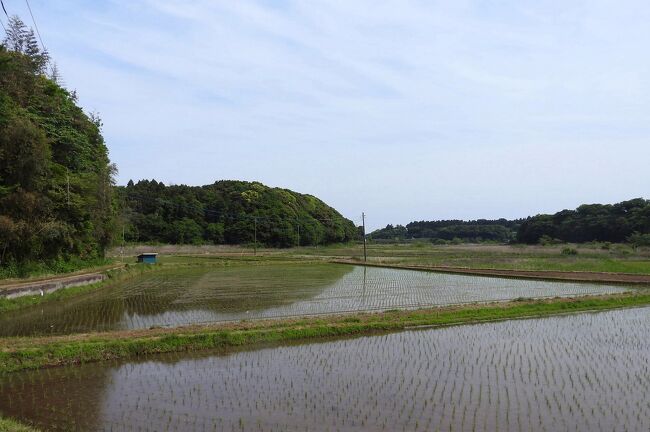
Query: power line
column 35, row 25
column 49, row 63
column 4, row 9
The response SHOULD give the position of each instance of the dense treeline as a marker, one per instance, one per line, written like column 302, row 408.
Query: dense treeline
column 500, row 230
column 625, row 221
column 228, row 212
column 55, row 175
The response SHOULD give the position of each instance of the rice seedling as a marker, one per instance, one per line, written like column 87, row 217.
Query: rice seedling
column 578, row 372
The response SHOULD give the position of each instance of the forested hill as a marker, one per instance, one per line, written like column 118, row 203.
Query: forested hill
column 500, row 230
column 55, row 175
column 228, row 212
column 625, row 221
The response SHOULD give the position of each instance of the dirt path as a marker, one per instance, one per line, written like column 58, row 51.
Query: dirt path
column 53, row 283
column 573, row 276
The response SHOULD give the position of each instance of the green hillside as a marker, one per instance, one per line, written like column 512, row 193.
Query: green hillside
column 228, row 212
column 624, row 221
column 500, row 230
column 55, row 175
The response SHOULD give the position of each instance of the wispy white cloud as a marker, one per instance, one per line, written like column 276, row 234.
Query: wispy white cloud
column 404, row 109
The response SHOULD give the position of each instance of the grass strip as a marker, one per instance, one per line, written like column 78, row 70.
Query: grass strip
column 8, row 425
column 89, row 348
column 8, row 305
column 117, row 275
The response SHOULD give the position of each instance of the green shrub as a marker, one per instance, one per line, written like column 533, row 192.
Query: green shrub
column 569, row 251
column 638, row 240
column 549, row 241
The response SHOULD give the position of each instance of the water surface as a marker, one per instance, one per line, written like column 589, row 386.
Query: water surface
column 208, row 294
column 588, row 372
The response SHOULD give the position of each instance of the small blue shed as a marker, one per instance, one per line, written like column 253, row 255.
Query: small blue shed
column 147, row 258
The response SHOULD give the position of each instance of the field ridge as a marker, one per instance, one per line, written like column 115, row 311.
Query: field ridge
column 31, row 353
column 561, row 275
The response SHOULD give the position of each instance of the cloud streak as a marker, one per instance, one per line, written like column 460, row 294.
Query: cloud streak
column 405, row 110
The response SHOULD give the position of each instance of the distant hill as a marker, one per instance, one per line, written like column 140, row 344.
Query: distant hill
column 500, row 230
column 228, row 212
column 619, row 222
column 627, row 221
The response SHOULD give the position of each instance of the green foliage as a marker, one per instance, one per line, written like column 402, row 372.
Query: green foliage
column 228, row 212
column 185, row 231
column 569, row 251
column 613, row 223
column 546, row 240
column 398, row 232
column 214, row 232
column 638, row 239
column 9, row 425
column 13, row 269
column 47, row 147
column 454, row 231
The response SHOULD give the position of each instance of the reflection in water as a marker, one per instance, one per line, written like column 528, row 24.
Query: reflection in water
column 176, row 297
column 202, row 295
column 363, row 293
column 581, row 372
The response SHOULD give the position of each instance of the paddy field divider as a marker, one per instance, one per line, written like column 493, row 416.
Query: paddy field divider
column 23, row 353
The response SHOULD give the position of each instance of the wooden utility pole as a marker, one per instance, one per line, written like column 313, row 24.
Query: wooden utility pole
column 363, row 221
column 255, row 236
column 67, row 178
column 122, row 248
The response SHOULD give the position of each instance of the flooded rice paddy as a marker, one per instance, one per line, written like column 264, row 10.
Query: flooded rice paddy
column 207, row 294
column 588, row 372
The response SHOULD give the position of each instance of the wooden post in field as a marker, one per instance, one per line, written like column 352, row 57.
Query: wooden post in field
column 255, row 236
column 122, row 248
column 67, row 179
column 363, row 221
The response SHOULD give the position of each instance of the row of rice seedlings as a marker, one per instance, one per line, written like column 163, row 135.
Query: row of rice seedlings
column 583, row 372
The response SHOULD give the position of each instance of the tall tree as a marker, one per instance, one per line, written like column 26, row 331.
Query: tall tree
column 56, row 180
column 21, row 39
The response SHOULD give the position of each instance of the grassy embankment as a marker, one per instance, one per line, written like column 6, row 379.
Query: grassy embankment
column 617, row 258
column 590, row 257
column 8, row 425
column 30, row 353
column 63, row 294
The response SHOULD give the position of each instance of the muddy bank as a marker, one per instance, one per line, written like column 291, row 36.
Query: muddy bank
column 50, row 285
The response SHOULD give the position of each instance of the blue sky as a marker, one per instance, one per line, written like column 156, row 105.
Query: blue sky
column 407, row 110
